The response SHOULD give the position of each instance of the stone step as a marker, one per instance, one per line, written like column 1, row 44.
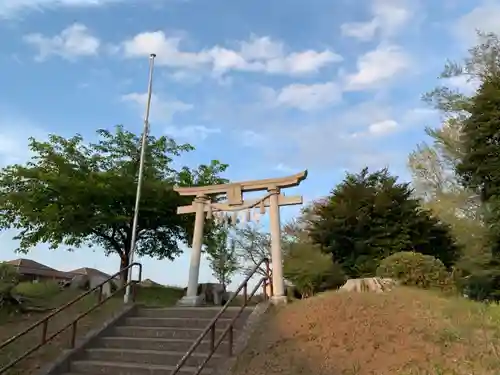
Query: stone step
column 201, row 323
column 118, row 368
column 158, row 344
column 191, row 312
column 162, row 332
column 148, row 357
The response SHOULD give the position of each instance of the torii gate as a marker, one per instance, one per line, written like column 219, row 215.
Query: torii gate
column 235, row 202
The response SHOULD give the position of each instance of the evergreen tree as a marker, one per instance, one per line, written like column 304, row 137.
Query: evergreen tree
column 479, row 168
column 370, row 216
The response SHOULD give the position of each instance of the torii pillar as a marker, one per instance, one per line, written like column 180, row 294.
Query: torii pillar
column 234, row 193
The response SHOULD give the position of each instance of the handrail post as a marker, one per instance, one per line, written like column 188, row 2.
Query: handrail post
column 140, row 271
column 212, row 339
column 134, row 291
column 135, row 285
column 230, row 348
column 269, row 279
column 45, row 326
column 245, row 294
column 73, row 335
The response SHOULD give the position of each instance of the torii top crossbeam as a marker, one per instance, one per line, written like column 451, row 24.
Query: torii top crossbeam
column 234, row 190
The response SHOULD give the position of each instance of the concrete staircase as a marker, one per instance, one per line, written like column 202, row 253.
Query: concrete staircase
column 151, row 341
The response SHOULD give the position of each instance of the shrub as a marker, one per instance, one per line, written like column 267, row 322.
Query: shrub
column 483, row 285
column 311, row 271
column 415, row 269
column 8, row 274
column 44, row 289
column 9, row 278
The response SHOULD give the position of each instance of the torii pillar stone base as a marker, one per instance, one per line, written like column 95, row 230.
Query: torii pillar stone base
column 195, row 301
column 279, row 300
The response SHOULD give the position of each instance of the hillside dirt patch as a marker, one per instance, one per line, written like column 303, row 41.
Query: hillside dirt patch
column 404, row 332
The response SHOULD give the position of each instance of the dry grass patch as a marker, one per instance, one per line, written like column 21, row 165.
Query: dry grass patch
column 404, row 332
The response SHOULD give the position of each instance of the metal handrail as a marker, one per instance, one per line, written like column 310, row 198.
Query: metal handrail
column 229, row 329
column 45, row 321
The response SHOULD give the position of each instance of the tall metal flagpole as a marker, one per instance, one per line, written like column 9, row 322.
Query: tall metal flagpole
column 145, row 133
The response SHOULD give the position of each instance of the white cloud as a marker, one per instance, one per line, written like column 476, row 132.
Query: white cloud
column 304, row 97
column 12, row 8
column 263, row 48
column 191, row 133
column 377, row 129
column 350, row 137
column 420, row 117
column 364, row 31
column 250, row 138
column 284, row 168
column 161, row 110
column 484, row 17
column 382, row 127
column 74, row 41
column 258, row 55
column 377, row 67
column 388, row 18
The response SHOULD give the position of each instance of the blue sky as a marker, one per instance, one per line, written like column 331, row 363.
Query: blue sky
column 270, row 87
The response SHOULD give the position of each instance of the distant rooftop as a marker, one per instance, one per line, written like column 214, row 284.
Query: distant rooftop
column 30, row 267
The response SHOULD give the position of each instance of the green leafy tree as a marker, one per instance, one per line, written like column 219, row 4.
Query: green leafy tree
column 436, row 183
column 370, row 216
column 482, row 61
column 253, row 244
column 222, row 255
column 310, row 270
column 479, row 167
column 462, row 206
column 73, row 193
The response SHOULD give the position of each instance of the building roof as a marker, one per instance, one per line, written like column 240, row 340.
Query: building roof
column 30, row 267
column 149, row 282
column 90, row 272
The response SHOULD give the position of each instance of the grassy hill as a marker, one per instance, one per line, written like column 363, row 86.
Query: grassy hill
column 404, row 332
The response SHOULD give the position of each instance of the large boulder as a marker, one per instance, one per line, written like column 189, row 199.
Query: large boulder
column 370, row 284
column 212, row 294
column 86, row 282
column 107, row 287
column 80, row 282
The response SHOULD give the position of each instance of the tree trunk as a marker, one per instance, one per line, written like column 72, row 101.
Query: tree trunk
column 124, row 262
column 223, row 282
